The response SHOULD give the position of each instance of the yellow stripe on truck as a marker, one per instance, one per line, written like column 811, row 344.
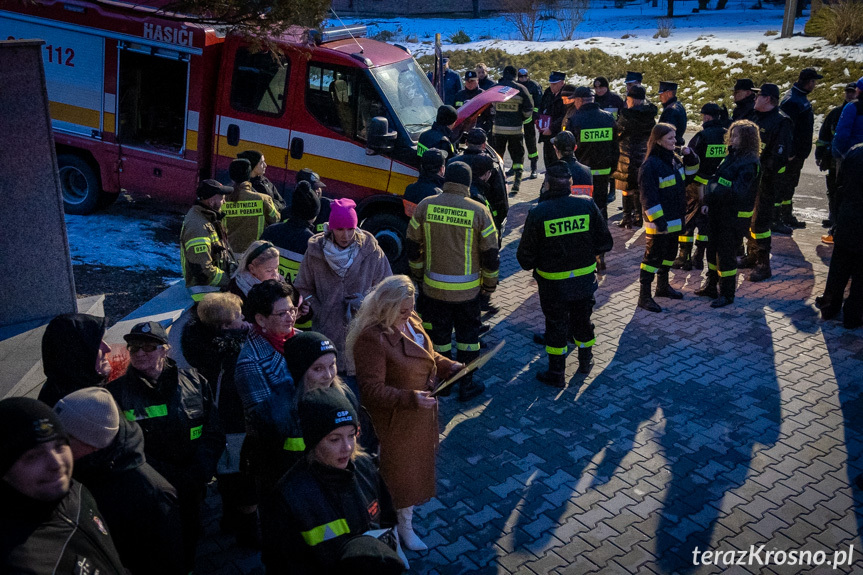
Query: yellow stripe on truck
column 108, row 123
column 398, row 183
column 75, row 115
column 192, row 141
column 357, row 174
column 275, row 156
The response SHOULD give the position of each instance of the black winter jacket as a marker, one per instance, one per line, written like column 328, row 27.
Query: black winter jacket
column 709, row 146
column 182, row 433
column 315, row 509
column 611, row 103
column 662, row 183
column 582, row 180
column 634, row 126
column 428, row 184
column 731, row 192
column 595, row 132
column 437, row 136
column 675, row 114
column 824, row 145
column 510, row 116
column 139, row 505
column 796, row 106
column 552, row 105
column 849, row 202
column 464, row 96
column 66, row 537
column 70, row 346
column 263, row 185
column 496, row 192
column 776, row 140
column 535, row 91
column 562, row 236
column 744, row 109
column 214, row 353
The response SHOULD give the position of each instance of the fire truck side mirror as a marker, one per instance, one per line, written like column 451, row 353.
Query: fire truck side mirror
column 380, row 139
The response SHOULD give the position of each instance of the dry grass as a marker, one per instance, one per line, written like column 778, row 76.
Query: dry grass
column 664, row 26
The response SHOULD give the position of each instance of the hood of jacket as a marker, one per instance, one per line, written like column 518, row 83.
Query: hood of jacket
column 457, row 189
column 643, row 113
column 125, row 452
column 70, row 346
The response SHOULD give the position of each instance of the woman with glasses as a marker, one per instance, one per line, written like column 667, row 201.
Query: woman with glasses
column 273, row 438
column 183, row 438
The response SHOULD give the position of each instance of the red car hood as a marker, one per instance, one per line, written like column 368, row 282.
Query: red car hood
column 468, row 113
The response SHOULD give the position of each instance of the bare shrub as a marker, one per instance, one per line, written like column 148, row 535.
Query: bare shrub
column 846, row 24
column 523, row 15
column 664, row 26
column 568, row 14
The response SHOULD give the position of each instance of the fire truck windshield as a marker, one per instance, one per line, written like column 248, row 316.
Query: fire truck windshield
column 411, row 95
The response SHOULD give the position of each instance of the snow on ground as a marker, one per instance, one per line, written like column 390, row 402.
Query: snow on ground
column 739, row 27
column 126, row 241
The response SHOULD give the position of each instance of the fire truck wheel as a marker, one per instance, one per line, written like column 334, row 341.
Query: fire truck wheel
column 390, row 230
column 82, row 193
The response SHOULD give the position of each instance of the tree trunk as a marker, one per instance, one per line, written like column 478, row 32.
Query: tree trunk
column 671, row 8
column 702, row 4
column 720, row 5
column 476, row 8
column 788, row 18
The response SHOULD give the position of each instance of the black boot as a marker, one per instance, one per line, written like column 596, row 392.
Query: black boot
column 644, row 299
column 555, row 376
column 762, row 268
column 539, row 338
column 684, row 256
column 516, row 183
column 585, row 359
column 600, row 262
column 789, row 218
column 637, row 220
column 708, row 288
column 727, row 286
column 748, row 261
column 663, row 289
column 698, row 257
column 778, row 226
column 486, row 306
column 626, row 220
column 468, row 388
column 533, row 162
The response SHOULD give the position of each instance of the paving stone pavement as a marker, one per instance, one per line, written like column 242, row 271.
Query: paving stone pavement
column 697, row 430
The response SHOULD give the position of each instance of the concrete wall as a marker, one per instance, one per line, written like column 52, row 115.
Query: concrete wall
column 36, row 281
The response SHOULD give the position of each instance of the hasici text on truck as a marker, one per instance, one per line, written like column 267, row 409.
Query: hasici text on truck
column 152, row 105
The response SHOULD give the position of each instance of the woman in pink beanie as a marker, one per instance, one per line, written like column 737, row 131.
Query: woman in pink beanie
column 342, row 264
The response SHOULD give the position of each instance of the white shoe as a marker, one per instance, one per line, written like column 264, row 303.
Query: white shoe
column 408, row 538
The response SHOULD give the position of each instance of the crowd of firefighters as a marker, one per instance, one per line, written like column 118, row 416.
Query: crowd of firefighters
column 303, row 344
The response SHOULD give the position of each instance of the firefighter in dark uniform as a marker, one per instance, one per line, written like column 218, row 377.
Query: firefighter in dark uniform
column 825, row 160
column 797, row 106
column 530, row 124
column 509, row 119
column 563, row 235
column 582, row 180
column 314, row 180
column 776, row 131
column 728, row 201
column 662, row 186
column 605, row 98
column 595, row 132
column 673, row 111
column 430, row 180
column 633, row 80
column 745, row 93
column 551, row 112
column 709, row 146
column 496, row 189
column 440, row 134
column 471, row 90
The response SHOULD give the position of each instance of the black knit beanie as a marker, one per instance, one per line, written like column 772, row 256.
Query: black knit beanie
column 253, row 156
column 459, row 173
column 305, row 203
column 323, row 410
column 24, row 424
column 240, row 170
column 304, row 349
column 558, row 176
column 446, row 115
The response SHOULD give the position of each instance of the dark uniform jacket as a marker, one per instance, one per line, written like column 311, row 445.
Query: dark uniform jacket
column 823, row 147
column 428, row 184
column 611, row 103
column 437, row 136
column 709, row 146
column 595, row 134
column 263, row 185
column 66, row 537
column 139, row 505
column 70, row 347
column 214, row 353
column 732, row 189
column 776, row 131
column 291, row 238
column 562, row 236
column 675, row 114
column 464, row 96
column 498, row 201
column 849, row 234
column 510, row 116
column 183, row 437
column 552, row 105
column 633, row 128
column 315, row 509
column 535, row 91
column 582, row 179
column 662, row 183
column 487, row 83
column 796, row 106
column 744, row 109
column 451, row 85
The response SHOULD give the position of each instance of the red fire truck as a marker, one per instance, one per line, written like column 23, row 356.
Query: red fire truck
column 150, row 104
